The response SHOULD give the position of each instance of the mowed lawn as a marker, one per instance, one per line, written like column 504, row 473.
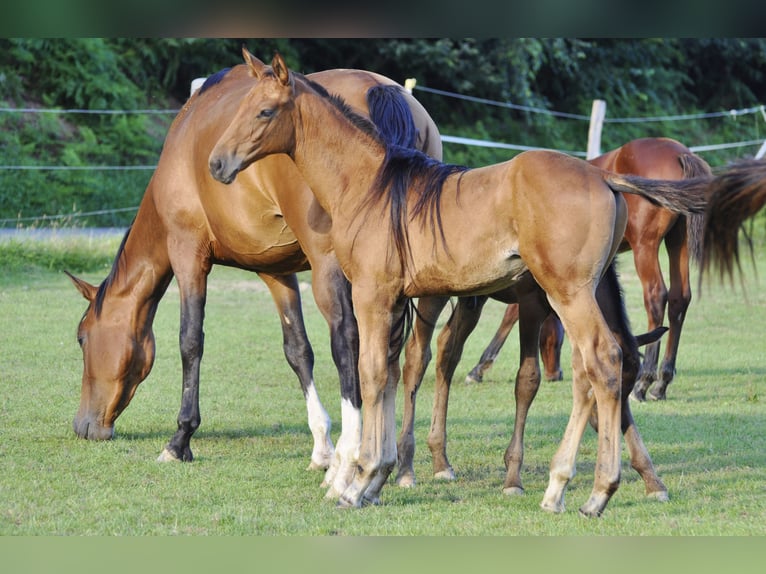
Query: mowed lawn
column 249, row 476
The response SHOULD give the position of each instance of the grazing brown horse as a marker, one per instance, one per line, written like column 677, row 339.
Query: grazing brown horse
column 649, row 225
column 408, row 226
column 267, row 222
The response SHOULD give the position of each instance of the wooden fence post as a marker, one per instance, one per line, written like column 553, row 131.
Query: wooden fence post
column 597, row 115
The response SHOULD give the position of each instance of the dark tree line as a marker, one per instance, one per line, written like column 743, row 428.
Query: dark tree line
column 636, row 77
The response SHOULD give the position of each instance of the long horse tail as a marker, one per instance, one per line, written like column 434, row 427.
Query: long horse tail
column 694, row 166
column 683, row 196
column 735, row 195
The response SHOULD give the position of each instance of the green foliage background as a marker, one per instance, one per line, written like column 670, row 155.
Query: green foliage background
column 645, row 77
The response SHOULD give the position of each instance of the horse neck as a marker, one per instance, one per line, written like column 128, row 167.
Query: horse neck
column 338, row 160
column 141, row 272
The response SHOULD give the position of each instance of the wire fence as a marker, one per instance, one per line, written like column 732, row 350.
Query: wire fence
column 754, row 110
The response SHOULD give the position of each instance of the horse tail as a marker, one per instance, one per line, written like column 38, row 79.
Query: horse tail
column 391, row 114
column 611, row 302
column 683, row 196
column 735, row 195
column 693, row 166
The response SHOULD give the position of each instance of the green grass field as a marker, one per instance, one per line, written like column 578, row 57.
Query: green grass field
column 249, row 476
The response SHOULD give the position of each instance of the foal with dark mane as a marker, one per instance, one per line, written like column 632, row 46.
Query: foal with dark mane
column 407, row 226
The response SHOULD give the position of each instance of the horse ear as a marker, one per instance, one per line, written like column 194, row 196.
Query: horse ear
column 255, row 65
column 88, row 291
column 280, row 69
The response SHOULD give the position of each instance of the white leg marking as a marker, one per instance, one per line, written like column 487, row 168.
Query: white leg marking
column 343, row 466
column 320, row 425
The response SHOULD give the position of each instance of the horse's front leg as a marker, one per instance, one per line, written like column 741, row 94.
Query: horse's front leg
column 285, row 292
column 193, row 293
column 450, row 346
column 375, row 310
column 332, row 294
column 533, row 309
column 396, row 342
column 417, row 355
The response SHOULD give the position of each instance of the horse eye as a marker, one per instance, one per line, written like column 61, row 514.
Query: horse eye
column 267, row 113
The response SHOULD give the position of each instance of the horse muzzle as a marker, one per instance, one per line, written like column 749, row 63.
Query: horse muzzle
column 222, row 170
column 91, row 430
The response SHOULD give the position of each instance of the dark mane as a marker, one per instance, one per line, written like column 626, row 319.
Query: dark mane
column 213, row 80
column 404, row 167
column 404, row 171
column 98, row 302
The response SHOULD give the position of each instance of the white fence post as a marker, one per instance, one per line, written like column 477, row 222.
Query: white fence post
column 761, row 152
column 597, row 115
column 196, row 85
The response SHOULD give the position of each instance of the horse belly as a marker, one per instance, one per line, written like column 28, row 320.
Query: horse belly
column 479, row 275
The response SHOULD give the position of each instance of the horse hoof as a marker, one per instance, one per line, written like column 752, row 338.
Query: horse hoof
column 374, row 501
column 470, row 379
column 167, row 456
column 639, row 397
column 405, row 480
column 318, row 465
column 551, row 507
column 514, row 491
column 346, row 503
column 557, row 376
column 659, row 496
column 447, row 474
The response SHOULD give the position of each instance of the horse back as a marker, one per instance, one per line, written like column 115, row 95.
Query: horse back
column 353, row 85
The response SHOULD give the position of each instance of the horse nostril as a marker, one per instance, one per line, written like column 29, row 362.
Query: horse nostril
column 215, row 166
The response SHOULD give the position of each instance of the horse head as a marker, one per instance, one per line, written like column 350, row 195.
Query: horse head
column 115, row 361
column 262, row 124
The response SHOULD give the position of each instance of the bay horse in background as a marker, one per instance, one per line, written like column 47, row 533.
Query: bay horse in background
column 408, row 226
column 649, row 225
column 267, row 222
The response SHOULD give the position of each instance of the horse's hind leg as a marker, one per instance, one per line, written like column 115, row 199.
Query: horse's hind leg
column 417, row 355
column 655, row 300
column 551, row 341
column 679, row 297
column 285, row 292
column 613, row 309
column 596, row 366
column 532, row 311
column 451, row 342
column 487, row 359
